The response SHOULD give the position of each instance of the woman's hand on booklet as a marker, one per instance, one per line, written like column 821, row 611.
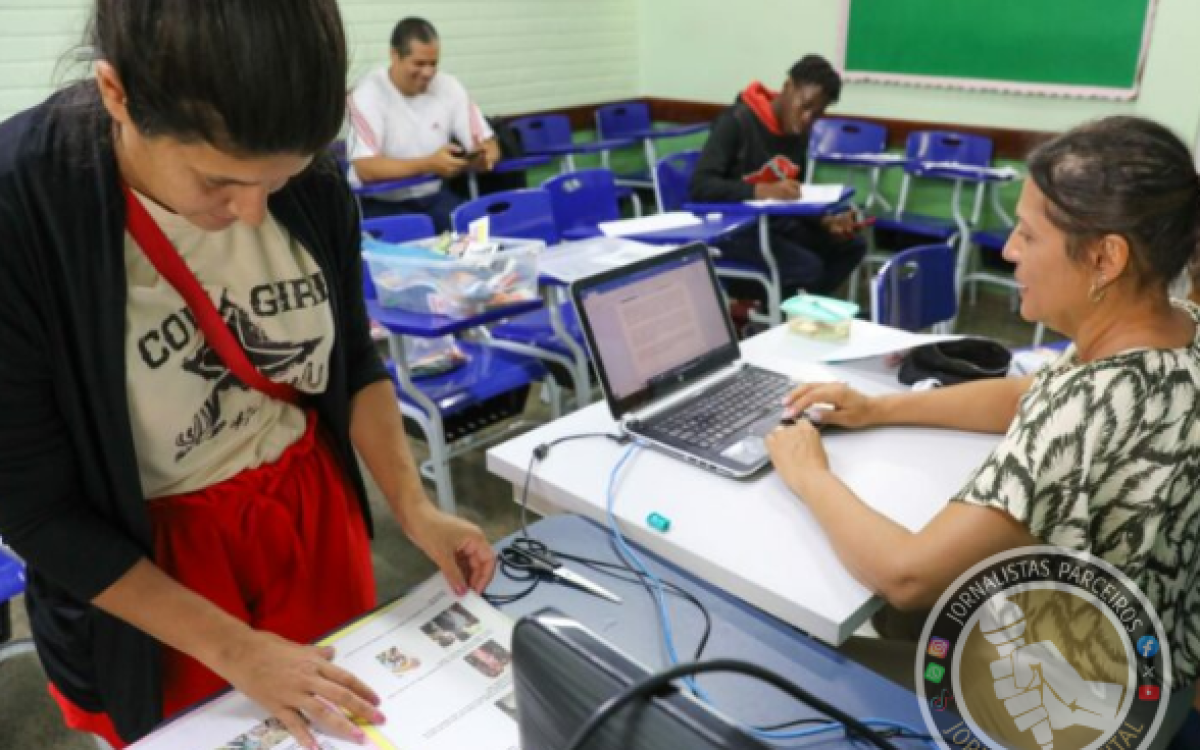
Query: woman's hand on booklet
column 457, row 547
column 300, row 686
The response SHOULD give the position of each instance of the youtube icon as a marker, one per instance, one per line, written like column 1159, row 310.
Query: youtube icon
column 1148, row 692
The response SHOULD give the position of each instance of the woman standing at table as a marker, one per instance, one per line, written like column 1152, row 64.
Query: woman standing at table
column 1100, row 452
column 186, row 373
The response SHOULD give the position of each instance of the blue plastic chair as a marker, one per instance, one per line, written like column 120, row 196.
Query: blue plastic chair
column 582, row 200
column 399, row 228
column 526, row 213
column 491, row 387
column 632, row 120
column 551, row 135
column 552, row 333
column 675, row 178
column 12, row 585
column 915, row 289
column 924, row 150
column 841, row 141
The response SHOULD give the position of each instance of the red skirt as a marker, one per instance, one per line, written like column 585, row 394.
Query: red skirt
column 282, row 547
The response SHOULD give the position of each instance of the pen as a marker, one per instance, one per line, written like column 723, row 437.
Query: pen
column 822, row 306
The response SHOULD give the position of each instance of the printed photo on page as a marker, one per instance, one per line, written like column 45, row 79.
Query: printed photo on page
column 441, row 665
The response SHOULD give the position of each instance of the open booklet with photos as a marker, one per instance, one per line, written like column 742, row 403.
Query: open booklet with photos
column 441, row 665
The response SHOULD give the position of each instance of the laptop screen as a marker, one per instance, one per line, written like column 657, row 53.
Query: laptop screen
column 655, row 326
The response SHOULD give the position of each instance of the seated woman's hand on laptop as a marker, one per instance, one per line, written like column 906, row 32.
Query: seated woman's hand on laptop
column 830, row 403
column 797, row 454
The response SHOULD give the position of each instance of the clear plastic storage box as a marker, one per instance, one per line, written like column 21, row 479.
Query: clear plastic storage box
column 429, row 283
column 823, row 318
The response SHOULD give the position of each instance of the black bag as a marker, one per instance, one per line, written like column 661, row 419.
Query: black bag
column 490, row 182
column 958, row 361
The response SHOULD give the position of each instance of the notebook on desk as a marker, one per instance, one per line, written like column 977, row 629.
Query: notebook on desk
column 665, row 351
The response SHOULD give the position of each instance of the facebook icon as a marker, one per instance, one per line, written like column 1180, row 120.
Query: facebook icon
column 1147, row 646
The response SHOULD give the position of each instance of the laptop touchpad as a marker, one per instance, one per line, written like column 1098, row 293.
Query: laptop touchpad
column 748, row 450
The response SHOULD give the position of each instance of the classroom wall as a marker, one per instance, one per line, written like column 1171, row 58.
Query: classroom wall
column 34, row 36
column 516, row 55
column 525, row 55
column 513, row 55
column 707, row 50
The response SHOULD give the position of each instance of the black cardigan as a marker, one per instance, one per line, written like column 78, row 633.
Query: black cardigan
column 738, row 145
column 70, row 498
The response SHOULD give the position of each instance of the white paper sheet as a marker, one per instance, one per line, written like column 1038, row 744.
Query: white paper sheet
column 647, row 224
column 572, row 261
column 441, row 666
column 872, row 341
column 815, row 195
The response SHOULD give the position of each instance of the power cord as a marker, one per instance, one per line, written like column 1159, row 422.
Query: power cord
column 636, row 570
column 625, row 552
column 614, row 570
column 652, row 685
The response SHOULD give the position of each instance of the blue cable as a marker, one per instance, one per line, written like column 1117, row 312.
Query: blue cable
column 634, row 559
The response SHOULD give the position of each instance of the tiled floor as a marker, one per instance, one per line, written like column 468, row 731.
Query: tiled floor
column 29, row 720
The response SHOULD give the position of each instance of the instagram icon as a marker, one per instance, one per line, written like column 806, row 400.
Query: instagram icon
column 939, row 647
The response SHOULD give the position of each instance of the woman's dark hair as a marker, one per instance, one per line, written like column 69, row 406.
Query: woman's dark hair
column 409, row 30
column 1126, row 176
column 814, row 69
column 249, row 77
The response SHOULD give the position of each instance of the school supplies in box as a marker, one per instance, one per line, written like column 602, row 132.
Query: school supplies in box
column 816, row 317
column 417, row 278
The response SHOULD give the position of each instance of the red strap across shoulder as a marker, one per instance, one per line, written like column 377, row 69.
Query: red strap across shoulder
column 167, row 261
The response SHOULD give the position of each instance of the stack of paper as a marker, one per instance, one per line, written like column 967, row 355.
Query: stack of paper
column 441, row 666
column 815, row 195
column 648, row 224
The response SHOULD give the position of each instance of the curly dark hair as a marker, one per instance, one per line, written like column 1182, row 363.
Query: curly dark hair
column 814, row 69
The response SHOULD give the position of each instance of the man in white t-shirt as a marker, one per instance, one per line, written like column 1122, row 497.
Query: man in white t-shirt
column 403, row 119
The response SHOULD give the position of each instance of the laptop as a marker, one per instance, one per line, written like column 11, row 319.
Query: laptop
column 667, row 357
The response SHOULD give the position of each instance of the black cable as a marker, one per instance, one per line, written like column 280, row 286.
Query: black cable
column 601, row 566
column 539, row 454
column 651, row 685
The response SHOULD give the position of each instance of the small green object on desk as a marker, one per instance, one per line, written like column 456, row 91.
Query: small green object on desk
column 658, row 522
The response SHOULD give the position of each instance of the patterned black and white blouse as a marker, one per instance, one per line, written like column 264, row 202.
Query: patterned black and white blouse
column 1104, row 458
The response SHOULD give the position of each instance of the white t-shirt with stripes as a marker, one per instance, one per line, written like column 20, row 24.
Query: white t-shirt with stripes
column 385, row 122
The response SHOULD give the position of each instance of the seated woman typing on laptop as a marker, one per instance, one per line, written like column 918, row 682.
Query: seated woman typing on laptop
column 1096, row 455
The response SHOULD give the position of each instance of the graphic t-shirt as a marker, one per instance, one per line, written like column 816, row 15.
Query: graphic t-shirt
column 1104, row 458
column 194, row 423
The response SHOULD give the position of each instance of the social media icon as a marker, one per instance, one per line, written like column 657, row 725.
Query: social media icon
column 939, row 703
column 935, row 672
column 939, row 647
column 1147, row 646
column 1148, row 673
column 1149, row 692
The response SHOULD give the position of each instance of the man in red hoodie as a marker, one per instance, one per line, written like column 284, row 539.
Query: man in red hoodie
column 757, row 150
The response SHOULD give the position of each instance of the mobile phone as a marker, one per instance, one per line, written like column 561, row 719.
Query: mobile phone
column 468, row 155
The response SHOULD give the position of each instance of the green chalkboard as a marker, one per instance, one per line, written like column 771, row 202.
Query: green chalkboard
column 1094, row 44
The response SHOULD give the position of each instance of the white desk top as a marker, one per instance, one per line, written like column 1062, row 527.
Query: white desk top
column 754, row 538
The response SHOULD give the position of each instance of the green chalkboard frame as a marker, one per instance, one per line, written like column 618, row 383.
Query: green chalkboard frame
column 1068, row 48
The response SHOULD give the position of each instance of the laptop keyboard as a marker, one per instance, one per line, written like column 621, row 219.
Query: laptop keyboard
column 711, row 418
